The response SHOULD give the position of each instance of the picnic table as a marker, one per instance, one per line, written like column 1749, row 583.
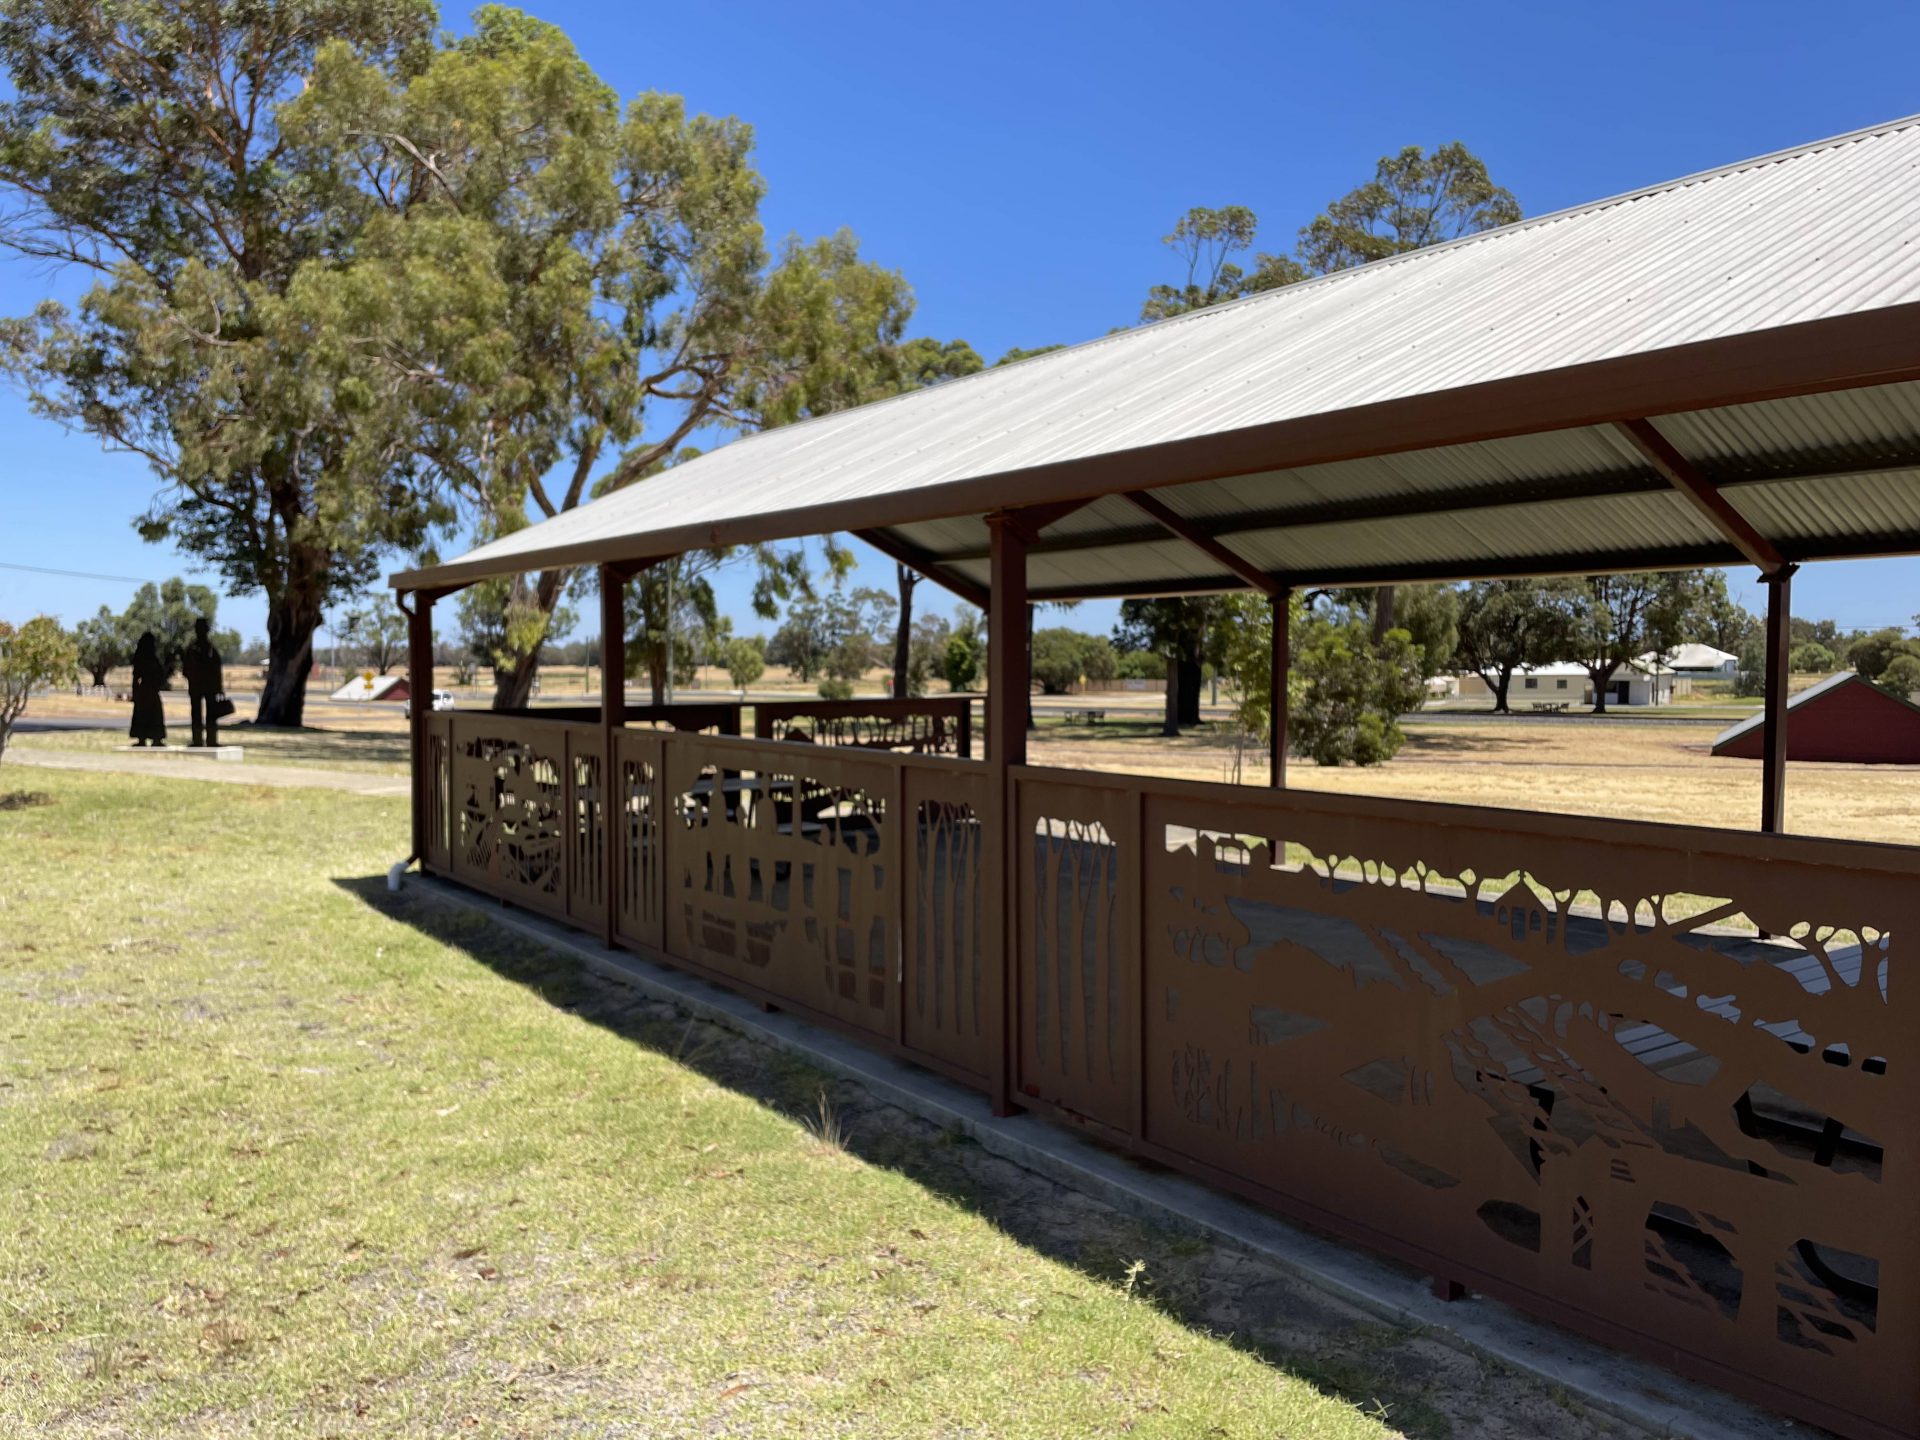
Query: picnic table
column 1089, row 717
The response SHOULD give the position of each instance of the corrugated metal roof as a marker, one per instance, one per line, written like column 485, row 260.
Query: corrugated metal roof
column 1820, row 237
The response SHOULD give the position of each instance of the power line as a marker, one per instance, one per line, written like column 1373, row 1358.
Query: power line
column 77, row 574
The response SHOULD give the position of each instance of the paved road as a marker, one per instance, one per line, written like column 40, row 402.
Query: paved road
column 181, row 767
column 46, row 724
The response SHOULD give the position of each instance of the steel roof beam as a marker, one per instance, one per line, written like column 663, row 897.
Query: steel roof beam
column 919, row 561
column 1174, row 524
column 1388, row 507
column 1341, row 512
column 1718, row 511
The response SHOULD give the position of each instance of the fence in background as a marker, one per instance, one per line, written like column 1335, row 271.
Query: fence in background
column 926, row 726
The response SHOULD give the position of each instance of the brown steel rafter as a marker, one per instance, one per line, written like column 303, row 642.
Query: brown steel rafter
column 1178, row 525
column 922, row 563
column 1715, row 508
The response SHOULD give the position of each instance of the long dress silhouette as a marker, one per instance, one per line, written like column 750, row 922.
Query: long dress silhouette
column 149, row 717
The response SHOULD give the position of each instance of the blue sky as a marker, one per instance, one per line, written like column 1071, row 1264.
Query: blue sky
column 1019, row 163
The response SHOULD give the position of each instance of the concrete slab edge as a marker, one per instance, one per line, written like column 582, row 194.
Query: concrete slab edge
column 1624, row 1387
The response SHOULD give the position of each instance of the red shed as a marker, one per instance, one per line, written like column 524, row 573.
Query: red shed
column 1842, row 718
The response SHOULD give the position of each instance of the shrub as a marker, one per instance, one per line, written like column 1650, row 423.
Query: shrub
column 1902, row 676
column 1812, row 658
column 33, row 657
column 745, row 662
column 836, row 687
column 1352, row 694
column 960, row 665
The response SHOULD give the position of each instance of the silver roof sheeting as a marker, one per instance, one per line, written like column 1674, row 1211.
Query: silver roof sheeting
column 1441, row 415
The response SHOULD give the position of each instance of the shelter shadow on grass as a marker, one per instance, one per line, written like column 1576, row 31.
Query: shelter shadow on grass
column 1425, row 1386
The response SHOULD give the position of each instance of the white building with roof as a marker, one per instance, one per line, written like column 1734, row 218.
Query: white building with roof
column 1695, row 658
column 1565, row 685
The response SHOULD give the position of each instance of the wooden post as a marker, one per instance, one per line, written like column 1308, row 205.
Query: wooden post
column 613, row 716
column 1773, row 764
column 1008, row 683
column 420, row 708
column 1282, row 662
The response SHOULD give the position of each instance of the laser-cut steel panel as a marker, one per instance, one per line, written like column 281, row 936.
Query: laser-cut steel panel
column 508, row 825
column 437, row 793
column 638, row 787
column 1554, row 1062
column 782, row 872
column 1077, row 970
column 923, row 726
column 586, row 842
column 951, row 943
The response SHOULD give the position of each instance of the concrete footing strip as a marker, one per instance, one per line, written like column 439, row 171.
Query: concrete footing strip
column 1629, row 1389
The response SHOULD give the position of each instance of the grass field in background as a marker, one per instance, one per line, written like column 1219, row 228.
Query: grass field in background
column 1621, row 766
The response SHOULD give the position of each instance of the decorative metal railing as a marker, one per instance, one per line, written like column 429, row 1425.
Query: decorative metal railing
column 1649, row 1081
column 1550, row 1058
column 942, row 726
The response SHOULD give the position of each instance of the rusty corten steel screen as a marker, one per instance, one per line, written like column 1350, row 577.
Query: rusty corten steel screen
column 1645, row 1080
column 919, row 726
column 1551, row 1058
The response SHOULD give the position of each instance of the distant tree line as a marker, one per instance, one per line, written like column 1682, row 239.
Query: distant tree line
column 105, row 642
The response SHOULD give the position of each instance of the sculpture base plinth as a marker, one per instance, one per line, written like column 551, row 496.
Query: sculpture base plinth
column 232, row 754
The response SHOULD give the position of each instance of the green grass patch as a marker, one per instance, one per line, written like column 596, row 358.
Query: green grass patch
column 282, row 1154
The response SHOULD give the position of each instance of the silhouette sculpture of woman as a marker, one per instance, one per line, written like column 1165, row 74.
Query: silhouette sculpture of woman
column 149, row 719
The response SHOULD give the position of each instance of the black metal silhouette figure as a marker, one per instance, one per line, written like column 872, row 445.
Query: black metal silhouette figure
column 149, row 718
column 200, row 663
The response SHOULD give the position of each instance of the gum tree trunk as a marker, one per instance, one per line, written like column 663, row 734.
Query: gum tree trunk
column 292, row 618
column 903, row 636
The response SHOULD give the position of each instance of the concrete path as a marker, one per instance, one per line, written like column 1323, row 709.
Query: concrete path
column 289, row 777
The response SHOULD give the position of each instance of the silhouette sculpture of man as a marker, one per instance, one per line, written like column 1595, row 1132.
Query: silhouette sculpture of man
column 200, row 663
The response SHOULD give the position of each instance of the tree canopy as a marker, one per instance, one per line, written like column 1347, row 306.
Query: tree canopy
column 1507, row 625
column 356, row 281
column 1414, row 200
column 143, row 143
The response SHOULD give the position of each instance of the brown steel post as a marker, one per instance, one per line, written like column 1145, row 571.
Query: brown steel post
column 420, row 708
column 1009, row 674
column 1773, row 764
column 1008, row 681
column 1282, row 662
column 613, row 716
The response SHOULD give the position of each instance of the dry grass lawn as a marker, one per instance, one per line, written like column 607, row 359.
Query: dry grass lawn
column 1612, row 766
column 282, row 1154
column 1586, row 765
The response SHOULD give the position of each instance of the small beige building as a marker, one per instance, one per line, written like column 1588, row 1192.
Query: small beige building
column 1566, row 685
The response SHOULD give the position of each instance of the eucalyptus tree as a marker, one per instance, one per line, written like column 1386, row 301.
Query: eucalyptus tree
column 1206, row 239
column 142, row 146
column 1415, row 199
column 1614, row 619
column 101, row 646
column 573, row 290
column 1506, row 625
